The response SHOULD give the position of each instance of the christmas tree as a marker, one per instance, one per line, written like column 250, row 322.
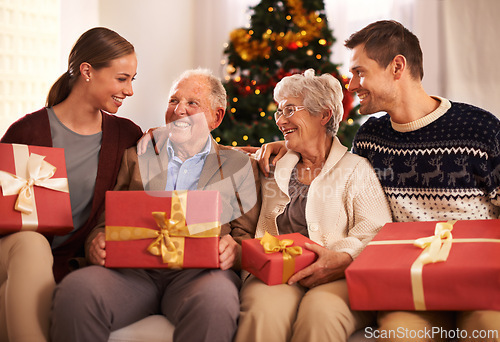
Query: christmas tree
column 285, row 37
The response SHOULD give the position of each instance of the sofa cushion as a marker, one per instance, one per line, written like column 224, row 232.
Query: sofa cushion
column 155, row 328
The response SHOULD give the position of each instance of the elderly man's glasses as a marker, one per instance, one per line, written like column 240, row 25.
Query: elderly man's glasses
column 287, row 111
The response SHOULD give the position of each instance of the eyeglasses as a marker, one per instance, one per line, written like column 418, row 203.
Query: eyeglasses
column 287, row 111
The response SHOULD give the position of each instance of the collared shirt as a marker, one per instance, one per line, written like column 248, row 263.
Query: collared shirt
column 185, row 175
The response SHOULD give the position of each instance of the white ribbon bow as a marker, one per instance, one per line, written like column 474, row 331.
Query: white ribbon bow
column 39, row 173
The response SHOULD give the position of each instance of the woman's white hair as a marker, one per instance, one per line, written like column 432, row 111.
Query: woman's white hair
column 320, row 93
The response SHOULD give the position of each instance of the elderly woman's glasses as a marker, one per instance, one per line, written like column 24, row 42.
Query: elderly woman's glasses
column 287, row 111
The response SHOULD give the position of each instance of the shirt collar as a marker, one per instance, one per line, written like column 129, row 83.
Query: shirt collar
column 203, row 153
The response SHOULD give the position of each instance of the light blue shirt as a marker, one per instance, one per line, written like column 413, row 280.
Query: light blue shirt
column 185, row 175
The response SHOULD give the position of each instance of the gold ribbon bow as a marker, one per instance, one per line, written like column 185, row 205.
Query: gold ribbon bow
column 39, row 173
column 436, row 249
column 169, row 240
column 272, row 244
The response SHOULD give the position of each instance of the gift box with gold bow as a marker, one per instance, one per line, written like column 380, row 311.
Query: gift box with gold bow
column 274, row 259
column 162, row 229
column 452, row 265
column 34, row 190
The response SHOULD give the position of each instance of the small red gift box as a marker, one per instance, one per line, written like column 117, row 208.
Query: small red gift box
column 162, row 229
column 35, row 192
column 429, row 266
column 274, row 259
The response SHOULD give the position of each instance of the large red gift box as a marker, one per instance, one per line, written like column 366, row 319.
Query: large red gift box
column 35, row 192
column 162, row 229
column 392, row 273
column 286, row 255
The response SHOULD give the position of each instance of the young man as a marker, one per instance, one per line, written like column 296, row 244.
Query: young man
column 203, row 304
column 436, row 159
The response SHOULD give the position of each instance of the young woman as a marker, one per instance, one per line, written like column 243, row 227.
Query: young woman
column 101, row 68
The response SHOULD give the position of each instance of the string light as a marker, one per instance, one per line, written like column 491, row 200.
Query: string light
column 350, row 121
column 270, row 9
column 257, row 91
column 279, row 48
column 234, row 143
column 262, row 114
column 288, row 17
column 233, row 110
column 261, row 140
column 235, row 99
column 269, row 31
column 309, row 52
column 217, row 139
column 245, row 137
column 318, row 56
column 322, row 42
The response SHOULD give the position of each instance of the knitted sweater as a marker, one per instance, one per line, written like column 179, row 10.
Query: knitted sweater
column 443, row 166
column 345, row 207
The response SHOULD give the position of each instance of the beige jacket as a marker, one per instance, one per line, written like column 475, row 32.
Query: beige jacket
column 346, row 205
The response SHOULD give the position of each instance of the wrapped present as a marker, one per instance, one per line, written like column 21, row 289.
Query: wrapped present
column 274, row 259
column 35, row 192
column 450, row 265
column 162, row 229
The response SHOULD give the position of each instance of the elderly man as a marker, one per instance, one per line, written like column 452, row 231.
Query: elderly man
column 203, row 304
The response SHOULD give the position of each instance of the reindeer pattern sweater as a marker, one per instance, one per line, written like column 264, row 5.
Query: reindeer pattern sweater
column 443, row 166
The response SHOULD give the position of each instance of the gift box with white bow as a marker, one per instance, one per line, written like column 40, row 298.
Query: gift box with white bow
column 34, row 190
column 452, row 265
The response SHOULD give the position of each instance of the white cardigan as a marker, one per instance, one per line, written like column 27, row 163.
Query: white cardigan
column 346, row 205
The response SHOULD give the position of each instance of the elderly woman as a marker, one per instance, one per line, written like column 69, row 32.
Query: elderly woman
column 324, row 192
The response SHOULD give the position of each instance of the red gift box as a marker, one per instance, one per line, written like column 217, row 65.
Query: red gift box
column 392, row 274
column 162, row 229
column 35, row 193
column 271, row 267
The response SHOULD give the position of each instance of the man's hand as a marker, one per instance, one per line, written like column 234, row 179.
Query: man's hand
column 264, row 155
column 246, row 149
column 229, row 252
column 329, row 266
column 97, row 249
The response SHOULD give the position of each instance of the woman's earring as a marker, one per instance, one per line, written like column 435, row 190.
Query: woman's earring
column 87, row 79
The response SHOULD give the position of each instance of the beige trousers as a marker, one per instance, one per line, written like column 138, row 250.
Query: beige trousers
column 471, row 326
column 292, row 313
column 26, row 287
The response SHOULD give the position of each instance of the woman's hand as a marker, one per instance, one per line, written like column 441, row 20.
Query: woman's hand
column 97, row 249
column 229, row 252
column 264, row 155
column 329, row 266
column 156, row 136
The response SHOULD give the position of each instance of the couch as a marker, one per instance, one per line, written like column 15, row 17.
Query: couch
column 157, row 328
